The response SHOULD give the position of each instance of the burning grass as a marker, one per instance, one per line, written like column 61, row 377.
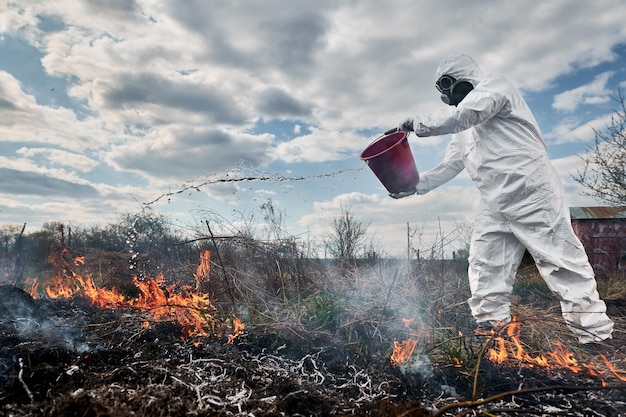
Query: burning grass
column 370, row 341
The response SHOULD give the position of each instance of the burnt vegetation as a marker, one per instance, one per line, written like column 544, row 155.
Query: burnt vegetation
column 319, row 332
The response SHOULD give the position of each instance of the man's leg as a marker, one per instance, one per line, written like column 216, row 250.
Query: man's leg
column 495, row 255
column 562, row 262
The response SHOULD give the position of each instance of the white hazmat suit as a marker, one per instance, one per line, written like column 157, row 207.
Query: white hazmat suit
column 497, row 140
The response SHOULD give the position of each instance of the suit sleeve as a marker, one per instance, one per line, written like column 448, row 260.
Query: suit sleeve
column 479, row 105
column 448, row 168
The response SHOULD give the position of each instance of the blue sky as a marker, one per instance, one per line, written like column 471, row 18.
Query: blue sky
column 106, row 105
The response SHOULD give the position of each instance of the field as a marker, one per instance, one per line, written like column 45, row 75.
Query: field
column 244, row 327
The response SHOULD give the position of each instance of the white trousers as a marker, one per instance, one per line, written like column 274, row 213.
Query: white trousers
column 544, row 228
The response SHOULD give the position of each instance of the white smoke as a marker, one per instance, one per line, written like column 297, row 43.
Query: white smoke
column 33, row 322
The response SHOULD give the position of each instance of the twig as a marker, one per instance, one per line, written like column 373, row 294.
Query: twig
column 478, row 403
column 219, row 258
column 481, row 354
column 524, row 411
column 19, row 376
column 382, row 313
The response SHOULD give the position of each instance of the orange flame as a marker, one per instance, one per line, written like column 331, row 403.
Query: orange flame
column 238, row 328
column 190, row 309
column 33, row 287
column 204, row 268
column 407, row 322
column 612, row 368
column 511, row 348
column 402, row 351
column 186, row 307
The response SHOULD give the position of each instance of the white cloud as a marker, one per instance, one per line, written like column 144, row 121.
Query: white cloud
column 593, row 93
column 163, row 92
column 27, row 166
column 266, row 193
column 71, row 160
column 320, row 146
column 184, row 152
column 571, row 130
column 14, row 18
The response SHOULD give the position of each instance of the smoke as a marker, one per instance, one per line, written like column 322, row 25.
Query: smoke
column 417, row 364
column 32, row 322
column 402, row 301
column 389, row 293
column 385, row 299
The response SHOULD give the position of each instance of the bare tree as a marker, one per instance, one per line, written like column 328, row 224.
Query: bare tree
column 604, row 173
column 346, row 238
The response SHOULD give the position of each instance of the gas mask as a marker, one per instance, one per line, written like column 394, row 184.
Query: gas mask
column 453, row 91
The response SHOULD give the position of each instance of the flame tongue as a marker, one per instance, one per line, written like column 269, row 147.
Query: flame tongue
column 402, row 351
column 510, row 348
column 204, row 268
column 190, row 308
column 238, row 327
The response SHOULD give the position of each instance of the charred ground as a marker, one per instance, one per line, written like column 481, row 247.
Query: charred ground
column 66, row 357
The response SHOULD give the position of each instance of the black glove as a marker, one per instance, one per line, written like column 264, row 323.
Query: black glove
column 407, row 125
column 403, row 194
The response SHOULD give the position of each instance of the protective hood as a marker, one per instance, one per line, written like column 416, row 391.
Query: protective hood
column 461, row 67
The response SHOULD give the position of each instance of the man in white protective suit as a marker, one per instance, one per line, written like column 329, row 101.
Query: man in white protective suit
column 522, row 206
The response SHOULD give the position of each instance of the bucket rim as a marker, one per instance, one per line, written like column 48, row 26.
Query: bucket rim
column 403, row 136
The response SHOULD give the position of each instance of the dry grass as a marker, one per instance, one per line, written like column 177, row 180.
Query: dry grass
column 287, row 300
column 365, row 309
column 541, row 322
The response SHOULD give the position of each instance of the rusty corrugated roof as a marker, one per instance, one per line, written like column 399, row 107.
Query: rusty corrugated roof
column 582, row 213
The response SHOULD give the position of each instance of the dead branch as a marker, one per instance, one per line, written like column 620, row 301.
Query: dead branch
column 473, row 404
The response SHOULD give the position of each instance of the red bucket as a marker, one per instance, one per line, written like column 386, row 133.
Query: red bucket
column 391, row 160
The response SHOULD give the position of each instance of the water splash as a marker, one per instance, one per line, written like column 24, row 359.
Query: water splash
column 241, row 174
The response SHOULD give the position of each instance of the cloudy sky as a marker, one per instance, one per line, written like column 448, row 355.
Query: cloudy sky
column 106, row 105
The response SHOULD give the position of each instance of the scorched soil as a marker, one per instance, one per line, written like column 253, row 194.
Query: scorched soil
column 69, row 358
